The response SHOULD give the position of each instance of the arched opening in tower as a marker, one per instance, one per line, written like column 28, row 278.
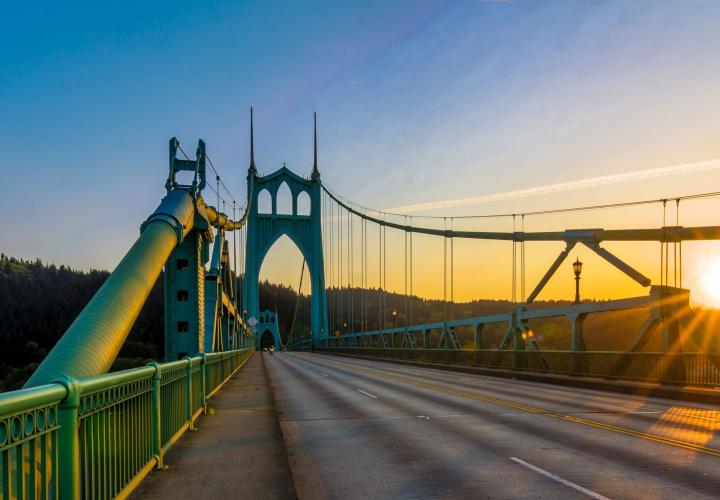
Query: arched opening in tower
column 285, row 288
column 267, row 340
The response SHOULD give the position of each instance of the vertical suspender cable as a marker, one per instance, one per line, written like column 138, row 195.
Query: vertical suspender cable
column 243, row 246
column 384, row 275
column 328, row 231
column 411, row 274
column 522, row 261
column 349, row 251
column 352, row 274
column 405, row 269
column 445, row 276
column 324, row 220
column 677, row 223
column 661, row 251
column 452, row 272
column 236, row 288
column 242, row 268
column 364, row 272
column 341, row 283
column 380, row 308
column 298, row 304
column 666, row 247
column 675, row 245
column 326, row 227
column 338, row 276
column 367, row 284
column 332, row 267
column 334, row 258
column 514, row 263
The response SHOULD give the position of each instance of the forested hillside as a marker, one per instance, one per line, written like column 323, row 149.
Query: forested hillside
column 38, row 302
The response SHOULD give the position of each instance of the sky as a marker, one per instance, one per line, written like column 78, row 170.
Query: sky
column 417, row 101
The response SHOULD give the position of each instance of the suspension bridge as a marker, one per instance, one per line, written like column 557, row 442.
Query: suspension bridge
column 331, row 418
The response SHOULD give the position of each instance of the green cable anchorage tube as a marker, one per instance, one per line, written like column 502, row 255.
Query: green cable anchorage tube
column 94, row 339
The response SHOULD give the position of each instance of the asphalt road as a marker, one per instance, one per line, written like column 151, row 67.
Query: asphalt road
column 364, row 429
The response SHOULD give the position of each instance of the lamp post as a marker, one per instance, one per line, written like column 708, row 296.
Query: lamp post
column 394, row 313
column 577, row 269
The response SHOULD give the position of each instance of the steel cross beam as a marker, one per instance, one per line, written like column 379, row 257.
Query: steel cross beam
column 602, row 252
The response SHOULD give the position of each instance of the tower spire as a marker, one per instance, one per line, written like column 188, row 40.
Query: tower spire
column 252, row 169
column 315, row 172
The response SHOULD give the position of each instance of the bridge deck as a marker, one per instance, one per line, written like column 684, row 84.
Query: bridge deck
column 359, row 428
column 238, row 451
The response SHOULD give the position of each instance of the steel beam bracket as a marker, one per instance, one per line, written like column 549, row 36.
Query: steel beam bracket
column 671, row 234
column 582, row 235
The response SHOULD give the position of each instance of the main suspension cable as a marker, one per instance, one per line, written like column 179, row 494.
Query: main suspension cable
column 361, row 208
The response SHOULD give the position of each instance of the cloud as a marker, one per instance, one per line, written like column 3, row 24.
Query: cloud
column 339, row 85
column 640, row 175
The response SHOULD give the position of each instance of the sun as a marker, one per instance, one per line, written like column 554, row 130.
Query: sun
column 709, row 282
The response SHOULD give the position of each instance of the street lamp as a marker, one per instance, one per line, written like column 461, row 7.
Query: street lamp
column 394, row 313
column 577, row 269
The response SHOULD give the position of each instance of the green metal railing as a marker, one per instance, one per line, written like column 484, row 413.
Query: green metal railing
column 694, row 369
column 98, row 437
column 29, row 431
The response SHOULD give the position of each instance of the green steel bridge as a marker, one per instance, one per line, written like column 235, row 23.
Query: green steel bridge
column 76, row 430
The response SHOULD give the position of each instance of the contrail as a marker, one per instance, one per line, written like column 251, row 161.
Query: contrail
column 641, row 175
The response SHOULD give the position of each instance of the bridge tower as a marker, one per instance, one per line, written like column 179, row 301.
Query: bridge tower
column 200, row 304
column 264, row 229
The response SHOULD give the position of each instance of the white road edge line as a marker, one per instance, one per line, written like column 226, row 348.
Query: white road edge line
column 559, row 479
column 366, row 393
column 323, row 374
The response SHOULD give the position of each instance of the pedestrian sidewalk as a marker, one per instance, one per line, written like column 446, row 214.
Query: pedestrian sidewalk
column 237, row 451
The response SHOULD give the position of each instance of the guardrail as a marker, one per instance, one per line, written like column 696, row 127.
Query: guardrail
column 695, row 369
column 300, row 345
column 98, row 437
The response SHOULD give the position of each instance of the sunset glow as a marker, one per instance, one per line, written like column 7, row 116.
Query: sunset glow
column 708, row 292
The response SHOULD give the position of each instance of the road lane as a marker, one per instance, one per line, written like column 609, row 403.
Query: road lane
column 695, row 423
column 430, row 433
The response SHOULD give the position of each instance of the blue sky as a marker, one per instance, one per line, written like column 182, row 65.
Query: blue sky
column 417, row 101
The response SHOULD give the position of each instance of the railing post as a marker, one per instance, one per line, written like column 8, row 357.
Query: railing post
column 189, row 392
column 68, row 440
column 156, row 415
column 203, row 363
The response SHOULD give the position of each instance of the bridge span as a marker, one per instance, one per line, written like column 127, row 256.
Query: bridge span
column 339, row 427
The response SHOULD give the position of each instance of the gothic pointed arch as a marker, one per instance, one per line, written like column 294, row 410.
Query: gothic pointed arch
column 284, row 200
column 303, row 203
